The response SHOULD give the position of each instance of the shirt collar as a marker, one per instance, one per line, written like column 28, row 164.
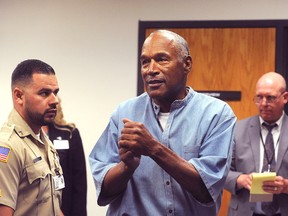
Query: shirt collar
column 21, row 126
column 177, row 103
column 278, row 122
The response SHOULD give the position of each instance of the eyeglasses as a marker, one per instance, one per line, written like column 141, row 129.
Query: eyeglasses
column 269, row 99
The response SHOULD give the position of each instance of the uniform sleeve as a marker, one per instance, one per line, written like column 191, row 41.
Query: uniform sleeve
column 10, row 175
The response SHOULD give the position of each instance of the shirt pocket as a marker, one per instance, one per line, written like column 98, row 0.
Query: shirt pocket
column 39, row 186
column 191, row 151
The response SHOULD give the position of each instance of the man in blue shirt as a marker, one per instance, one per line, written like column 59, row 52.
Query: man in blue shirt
column 168, row 151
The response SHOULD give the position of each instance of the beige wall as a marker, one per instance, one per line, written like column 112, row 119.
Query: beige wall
column 92, row 45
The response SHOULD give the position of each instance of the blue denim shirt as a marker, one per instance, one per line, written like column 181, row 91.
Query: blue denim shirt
column 199, row 129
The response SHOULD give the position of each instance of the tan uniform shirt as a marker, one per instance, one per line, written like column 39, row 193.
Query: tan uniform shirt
column 28, row 165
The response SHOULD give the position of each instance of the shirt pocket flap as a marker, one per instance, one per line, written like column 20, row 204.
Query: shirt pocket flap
column 37, row 170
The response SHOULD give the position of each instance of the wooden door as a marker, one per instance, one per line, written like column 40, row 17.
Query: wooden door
column 230, row 59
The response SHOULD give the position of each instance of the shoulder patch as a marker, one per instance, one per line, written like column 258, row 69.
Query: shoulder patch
column 4, row 154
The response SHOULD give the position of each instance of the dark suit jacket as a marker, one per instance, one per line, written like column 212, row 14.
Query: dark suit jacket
column 246, row 159
column 73, row 164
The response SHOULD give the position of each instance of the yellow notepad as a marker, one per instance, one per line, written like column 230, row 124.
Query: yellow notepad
column 257, row 194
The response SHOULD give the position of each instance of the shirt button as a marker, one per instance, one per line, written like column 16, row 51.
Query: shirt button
column 167, row 183
column 170, row 211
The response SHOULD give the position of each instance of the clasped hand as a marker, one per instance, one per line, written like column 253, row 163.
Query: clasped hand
column 135, row 140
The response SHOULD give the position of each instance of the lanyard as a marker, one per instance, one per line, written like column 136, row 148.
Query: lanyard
column 265, row 152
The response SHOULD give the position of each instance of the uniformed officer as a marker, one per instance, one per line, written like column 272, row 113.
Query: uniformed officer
column 31, row 177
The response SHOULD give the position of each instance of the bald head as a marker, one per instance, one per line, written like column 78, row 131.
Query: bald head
column 272, row 80
column 271, row 96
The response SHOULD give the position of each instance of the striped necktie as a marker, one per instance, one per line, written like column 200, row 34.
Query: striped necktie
column 269, row 152
column 269, row 164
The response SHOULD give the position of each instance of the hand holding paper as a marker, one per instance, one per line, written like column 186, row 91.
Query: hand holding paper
column 257, row 193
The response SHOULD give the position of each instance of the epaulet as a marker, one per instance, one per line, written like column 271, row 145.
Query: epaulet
column 7, row 131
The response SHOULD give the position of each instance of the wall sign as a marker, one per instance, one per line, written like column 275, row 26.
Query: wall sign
column 224, row 95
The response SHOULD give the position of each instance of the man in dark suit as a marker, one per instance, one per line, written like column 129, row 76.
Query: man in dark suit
column 251, row 156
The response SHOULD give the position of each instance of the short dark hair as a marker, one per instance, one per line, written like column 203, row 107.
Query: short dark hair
column 180, row 41
column 24, row 71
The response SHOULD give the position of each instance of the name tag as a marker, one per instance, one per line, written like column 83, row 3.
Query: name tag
column 61, row 144
column 59, row 182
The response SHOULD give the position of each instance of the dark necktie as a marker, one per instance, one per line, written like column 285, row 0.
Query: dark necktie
column 269, row 159
column 270, row 208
